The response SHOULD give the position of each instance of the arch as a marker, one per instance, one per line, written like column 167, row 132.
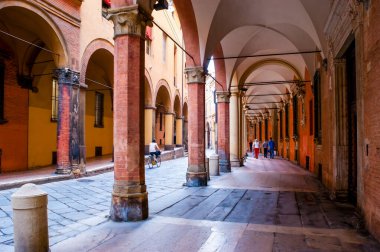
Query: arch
column 91, row 48
column 264, row 62
column 185, row 111
column 61, row 46
column 220, row 69
column 163, row 96
column 177, row 105
column 190, row 31
column 148, row 99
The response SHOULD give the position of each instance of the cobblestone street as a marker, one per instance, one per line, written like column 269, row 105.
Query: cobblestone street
column 76, row 205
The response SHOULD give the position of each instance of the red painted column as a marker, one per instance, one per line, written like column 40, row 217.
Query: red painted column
column 196, row 171
column 129, row 196
column 68, row 120
column 223, row 99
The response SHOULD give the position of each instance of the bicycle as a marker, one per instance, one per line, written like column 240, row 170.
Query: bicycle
column 154, row 162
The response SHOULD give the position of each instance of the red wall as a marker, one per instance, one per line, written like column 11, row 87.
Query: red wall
column 14, row 133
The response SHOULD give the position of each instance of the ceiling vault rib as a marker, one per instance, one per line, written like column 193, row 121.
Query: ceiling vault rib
column 263, row 83
column 260, row 108
column 266, row 94
column 265, row 55
column 249, row 103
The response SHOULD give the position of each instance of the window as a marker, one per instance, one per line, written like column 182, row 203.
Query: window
column 148, row 47
column 164, row 39
column 295, row 116
column 317, row 108
column 287, row 120
column 99, row 110
column 54, row 100
column 148, row 39
column 281, row 121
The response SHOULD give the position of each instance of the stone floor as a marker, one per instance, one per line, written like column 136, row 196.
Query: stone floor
column 267, row 205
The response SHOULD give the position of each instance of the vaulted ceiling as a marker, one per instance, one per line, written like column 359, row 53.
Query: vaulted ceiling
column 257, row 27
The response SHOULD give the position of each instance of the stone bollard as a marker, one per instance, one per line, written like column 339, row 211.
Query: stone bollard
column 207, row 168
column 30, row 221
column 214, row 165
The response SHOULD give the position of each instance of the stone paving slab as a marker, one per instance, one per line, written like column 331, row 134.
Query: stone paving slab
column 200, row 219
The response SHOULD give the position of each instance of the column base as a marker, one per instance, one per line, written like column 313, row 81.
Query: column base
column 129, row 201
column 235, row 163
column 130, row 207
column 63, row 170
column 196, row 179
column 224, row 165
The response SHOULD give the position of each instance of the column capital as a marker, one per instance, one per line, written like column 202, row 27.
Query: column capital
column 150, row 107
column 129, row 20
column 169, row 113
column 67, row 76
column 223, row 96
column 234, row 91
column 195, row 75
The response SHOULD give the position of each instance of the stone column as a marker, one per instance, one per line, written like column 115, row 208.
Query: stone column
column 185, row 136
column 82, row 126
column 234, row 127
column 68, row 120
column 196, row 172
column 129, row 196
column 223, row 100
column 169, row 130
column 150, row 118
column 179, row 130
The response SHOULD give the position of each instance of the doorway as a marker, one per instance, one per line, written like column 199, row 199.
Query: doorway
column 352, row 122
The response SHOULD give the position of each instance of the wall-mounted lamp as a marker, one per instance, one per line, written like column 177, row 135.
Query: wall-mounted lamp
column 161, row 5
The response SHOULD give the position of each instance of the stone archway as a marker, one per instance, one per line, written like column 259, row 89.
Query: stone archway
column 178, row 125
column 98, row 68
column 149, row 113
column 164, row 116
column 30, row 109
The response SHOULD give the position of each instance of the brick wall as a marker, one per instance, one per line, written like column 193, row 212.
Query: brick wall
column 371, row 173
column 14, row 133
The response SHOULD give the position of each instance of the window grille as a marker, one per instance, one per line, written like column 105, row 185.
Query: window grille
column 54, row 100
column 99, row 110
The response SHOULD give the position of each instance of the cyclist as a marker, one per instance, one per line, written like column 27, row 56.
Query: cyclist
column 154, row 150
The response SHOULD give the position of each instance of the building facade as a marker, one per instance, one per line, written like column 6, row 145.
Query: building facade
column 57, row 79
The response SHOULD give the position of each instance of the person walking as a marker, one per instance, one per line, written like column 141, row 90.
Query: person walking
column 250, row 145
column 271, row 146
column 265, row 147
column 257, row 147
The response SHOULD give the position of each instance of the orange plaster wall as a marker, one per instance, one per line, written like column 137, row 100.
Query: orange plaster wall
column 306, row 143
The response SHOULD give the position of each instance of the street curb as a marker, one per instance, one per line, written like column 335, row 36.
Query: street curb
column 55, row 178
